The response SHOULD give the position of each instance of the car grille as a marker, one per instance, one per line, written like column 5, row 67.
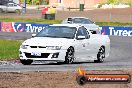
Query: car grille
column 37, row 46
column 43, row 55
column 33, row 46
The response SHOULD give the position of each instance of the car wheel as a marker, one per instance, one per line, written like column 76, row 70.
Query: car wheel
column 18, row 11
column 69, row 58
column 100, row 55
column 81, row 80
column 26, row 62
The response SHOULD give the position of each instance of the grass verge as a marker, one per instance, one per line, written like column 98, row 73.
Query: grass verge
column 9, row 49
column 113, row 24
column 58, row 21
column 30, row 20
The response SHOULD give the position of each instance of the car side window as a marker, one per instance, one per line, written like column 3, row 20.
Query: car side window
column 86, row 21
column 10, row 5
column 15, row 4
column 82, row 21
column 90, row 22
column 82, row 32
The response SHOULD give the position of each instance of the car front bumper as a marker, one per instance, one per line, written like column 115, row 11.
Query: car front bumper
column 42, row 54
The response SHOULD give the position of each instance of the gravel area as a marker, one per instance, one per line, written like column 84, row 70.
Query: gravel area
column 54, row 80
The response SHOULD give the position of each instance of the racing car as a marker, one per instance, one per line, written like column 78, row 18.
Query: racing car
column 65, row 43
column 90, row 25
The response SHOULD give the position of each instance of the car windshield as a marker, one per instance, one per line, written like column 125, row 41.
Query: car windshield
column 82, row 21
column 58, row 32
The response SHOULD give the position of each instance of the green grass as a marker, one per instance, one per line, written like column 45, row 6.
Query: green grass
column 30, row 20
column 9, row 49
column 113, row 24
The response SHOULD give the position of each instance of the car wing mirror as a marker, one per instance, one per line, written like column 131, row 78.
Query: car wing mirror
column 33, row 35
column 80, row 37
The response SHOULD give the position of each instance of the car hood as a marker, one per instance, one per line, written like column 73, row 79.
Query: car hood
column 46, row 41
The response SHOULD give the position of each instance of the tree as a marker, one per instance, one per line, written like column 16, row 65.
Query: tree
column 33, row 2
column 36, row 2
column 113, row 1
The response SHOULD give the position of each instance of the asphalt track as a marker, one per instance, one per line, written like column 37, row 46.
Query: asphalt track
column 120, row 58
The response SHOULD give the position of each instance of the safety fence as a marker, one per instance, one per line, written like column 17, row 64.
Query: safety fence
column 36, row 27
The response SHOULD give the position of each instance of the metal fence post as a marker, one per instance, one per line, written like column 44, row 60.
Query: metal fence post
column 24, row 6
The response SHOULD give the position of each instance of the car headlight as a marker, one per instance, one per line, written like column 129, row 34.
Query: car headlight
column 24, row 46
column 53, row 47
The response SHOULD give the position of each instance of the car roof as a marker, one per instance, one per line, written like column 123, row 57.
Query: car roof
column 78, row 17
column 68, row 25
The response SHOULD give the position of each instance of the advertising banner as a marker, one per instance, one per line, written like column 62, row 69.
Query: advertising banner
column 35, row 27
column 7, row 27
column 28, row 27
column 22, row 27
column 116, row 30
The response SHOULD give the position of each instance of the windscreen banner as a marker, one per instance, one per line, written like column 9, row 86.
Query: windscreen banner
column 116, row 30
column 22, row 27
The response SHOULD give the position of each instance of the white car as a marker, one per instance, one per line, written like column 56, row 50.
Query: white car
column 90, row 25
column 65, row 43
column 10, row 7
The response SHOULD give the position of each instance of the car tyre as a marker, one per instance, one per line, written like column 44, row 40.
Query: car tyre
column 100, row 55
column 69, row 58
column 26, row 62
column 81, row 80
column 18, row 11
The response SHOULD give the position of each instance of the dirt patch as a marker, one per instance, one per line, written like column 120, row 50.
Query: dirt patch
column 103, row 15
column 100, row 15
column 54, row 80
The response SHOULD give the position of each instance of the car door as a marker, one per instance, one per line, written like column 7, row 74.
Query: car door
column 82, row 44
column 93, row 46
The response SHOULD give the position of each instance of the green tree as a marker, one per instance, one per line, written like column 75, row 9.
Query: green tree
column 32, row 2
column 113, row 1
column 35, row 2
